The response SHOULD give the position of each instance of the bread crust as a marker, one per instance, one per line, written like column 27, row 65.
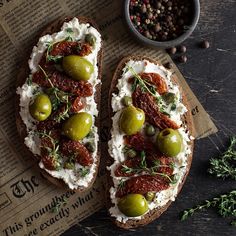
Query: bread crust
column 187, row 118
column 24, row 72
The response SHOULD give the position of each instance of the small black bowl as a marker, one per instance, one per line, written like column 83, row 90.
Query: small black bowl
column 164, row 44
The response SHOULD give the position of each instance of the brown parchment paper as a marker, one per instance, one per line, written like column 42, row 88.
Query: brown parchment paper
column 26, row 198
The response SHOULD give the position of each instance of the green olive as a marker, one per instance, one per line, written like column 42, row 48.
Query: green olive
column 150, row 130
column 133, row 205
column 127, row 101
column 41, row 108
column 77, row 67
column 149, row 196
column 169, row 142
column 77, row 126
column 91, row 39
column 131, row 120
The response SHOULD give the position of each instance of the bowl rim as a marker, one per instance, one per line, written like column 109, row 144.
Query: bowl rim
column 164, row 44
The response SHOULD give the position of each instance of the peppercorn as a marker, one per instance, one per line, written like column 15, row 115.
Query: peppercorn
column 167, row 19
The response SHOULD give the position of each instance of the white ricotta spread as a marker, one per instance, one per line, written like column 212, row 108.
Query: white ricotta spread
column 116, row 144
column 77, row 31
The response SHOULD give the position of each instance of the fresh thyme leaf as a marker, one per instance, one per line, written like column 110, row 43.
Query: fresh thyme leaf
column 223, row 166
column 29, row 81
column 226, row 205
column 127, row 170
column 121, row 184
column 143, row 163
column 68, row 38
column 84, row 171
column 134, row 85
column 166, row 113
column 55, row 59
column 69, row 30
column 144, row 85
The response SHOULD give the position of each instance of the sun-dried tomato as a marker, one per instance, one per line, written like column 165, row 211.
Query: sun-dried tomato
column 146, row 102
column 165, row 163
column 138, row 142
column 76, row 105
column 132, row 163
column 48, row 162
column 143, row 184
column 47, row 125
column 63, row 82
column 46, row 140
column 156, row 80
column 75, row 148
column 66, row 48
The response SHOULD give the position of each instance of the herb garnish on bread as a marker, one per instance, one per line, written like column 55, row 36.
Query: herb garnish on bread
column 151, row 143
column 58, row 99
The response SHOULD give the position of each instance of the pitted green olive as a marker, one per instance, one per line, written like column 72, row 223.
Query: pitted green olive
column 131, row 120
column 77, row 67
column 133, row 205
column 169, row 142
column 77, row 126
column 41, row 108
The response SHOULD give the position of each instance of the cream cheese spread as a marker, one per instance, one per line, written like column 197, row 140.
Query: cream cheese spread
column 116, row 144
column 26, row 92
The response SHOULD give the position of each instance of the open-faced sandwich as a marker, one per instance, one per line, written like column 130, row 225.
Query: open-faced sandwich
column 151, row 144
column 58, row 97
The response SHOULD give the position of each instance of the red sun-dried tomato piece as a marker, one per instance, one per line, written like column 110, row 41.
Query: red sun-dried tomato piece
column 66, row 48
column 76, row 105
column 81, row 153
column 143, row 184
column 49, row 162
column 156, row 80
column 146, row 102
column 132, row 163
column 165, row 163
column 138, row 142
column 63, row 82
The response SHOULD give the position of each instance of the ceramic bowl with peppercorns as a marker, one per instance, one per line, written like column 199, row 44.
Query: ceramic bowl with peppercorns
column 162, row 23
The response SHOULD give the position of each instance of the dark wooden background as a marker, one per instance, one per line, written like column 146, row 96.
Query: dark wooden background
column 211, row 74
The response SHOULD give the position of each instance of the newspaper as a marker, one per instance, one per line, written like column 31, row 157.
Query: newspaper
column 26, row 198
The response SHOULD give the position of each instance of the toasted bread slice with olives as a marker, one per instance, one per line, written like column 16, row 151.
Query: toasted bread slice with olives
column 70, row 152
column 140, row 172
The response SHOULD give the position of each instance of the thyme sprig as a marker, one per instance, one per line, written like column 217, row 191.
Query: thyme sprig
column 143, row 168
column 222, row 166
column 58, row 97
column 144, row 85
column 50, row 46
column 58, row 205
column 54, row 151
column 46, row 76
column 225, row 204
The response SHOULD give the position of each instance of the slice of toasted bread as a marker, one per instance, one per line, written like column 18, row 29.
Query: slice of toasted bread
column 187, row 119
column 24, row 72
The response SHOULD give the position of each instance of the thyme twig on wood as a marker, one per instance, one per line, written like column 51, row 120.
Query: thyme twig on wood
column 223, row 166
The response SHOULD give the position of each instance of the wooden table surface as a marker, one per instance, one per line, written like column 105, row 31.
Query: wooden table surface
column 211, row 73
